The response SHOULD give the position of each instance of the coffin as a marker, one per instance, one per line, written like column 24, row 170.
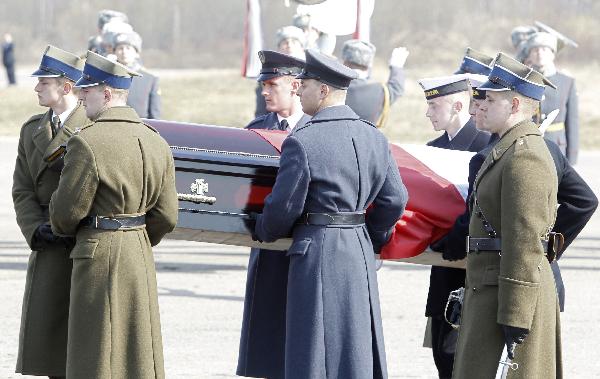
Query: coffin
column 223, row 174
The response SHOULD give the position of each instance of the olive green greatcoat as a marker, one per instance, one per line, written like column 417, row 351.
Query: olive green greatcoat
column 115, row 166
column 516, row 190
column 43, row 335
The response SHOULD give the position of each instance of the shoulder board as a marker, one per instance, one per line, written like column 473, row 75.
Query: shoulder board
column 77, row 130
column 256, row 121
column 151, row 128
column 368, row 123
column 34, row 118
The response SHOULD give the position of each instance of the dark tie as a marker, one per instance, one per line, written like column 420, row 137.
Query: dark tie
column 55, row 124
column 284, row 125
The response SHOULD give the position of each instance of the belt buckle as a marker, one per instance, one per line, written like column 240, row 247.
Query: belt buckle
column 331, row 218
column 468, row 244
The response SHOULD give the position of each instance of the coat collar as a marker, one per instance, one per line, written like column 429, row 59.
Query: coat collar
column 43, row 133
column 337, row 112
column 465, row 137
column 523, row 128
column 122, row 114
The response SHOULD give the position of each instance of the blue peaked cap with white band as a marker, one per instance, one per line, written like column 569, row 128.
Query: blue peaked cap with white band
column 509, row 74
column 57, row 63
column 100, row 70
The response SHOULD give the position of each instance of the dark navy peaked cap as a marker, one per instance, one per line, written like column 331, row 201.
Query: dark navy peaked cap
column 327, row 70
column 58, row 63
column 475, row 62
column 509, row 74
column 276, row 64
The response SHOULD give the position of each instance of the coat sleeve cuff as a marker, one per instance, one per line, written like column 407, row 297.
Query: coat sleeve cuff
column 517, row 301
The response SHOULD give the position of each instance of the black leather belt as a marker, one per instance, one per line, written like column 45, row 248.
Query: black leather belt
column 113, row 223
column 324, row 219
column 492, row 245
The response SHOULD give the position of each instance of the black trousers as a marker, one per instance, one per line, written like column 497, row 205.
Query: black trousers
column 443, row 341
column 10, row 74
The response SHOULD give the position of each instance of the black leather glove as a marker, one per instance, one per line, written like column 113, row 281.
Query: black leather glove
column 513, row 336
column 251, row 224
column 43, row 237
column 439, row 246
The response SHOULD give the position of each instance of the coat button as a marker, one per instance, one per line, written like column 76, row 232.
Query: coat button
column 474, row 289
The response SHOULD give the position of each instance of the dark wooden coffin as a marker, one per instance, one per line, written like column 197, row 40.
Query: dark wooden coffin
column 222, row 175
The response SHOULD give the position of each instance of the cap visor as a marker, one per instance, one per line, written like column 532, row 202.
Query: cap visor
column 263, row 77
column 490, row 86
column 83, row 82
column 43, row 74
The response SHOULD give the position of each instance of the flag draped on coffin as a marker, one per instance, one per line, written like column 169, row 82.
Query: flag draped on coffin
column 437, row 185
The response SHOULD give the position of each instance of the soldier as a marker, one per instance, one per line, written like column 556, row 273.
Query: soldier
column 262, row 342
column 290, row 41
column 117, row 196
column 96, row 43
column 331, row 170
column 43, row 336
column 371, row 100
column 8, row 58
column 510, row 297
column 144, row 93
column 539, row 52
column 448, row 102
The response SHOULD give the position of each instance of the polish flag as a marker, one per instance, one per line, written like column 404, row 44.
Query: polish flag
column 437, row 184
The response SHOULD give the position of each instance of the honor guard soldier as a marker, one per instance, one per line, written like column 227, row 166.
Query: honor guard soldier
column 144, row 93
column 331, row 170
column 510, row 296
column 43, row 336
column 117, row 196
column 539, row 51
column 448, row 101
column 372, row 100
column 262, row 342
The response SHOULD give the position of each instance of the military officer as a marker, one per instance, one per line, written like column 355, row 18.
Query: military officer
column 372, row 100
column 144, row 93
column 510, row 297
column 448, row 102
column 331, row 170
column 290, row 41
column 539, row 52
column 117, row 196
column 43, row 336
column 262, row 342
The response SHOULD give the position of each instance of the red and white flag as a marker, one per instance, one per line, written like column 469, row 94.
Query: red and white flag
column 253, row 39
column 437, row 184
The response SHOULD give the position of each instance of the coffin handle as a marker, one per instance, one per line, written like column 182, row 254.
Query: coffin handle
column 196, row 198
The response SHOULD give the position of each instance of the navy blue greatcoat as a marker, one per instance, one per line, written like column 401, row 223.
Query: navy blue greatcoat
column 334, row 163
column 444, row 279
column 565, row 99
column 262, row 342
column 144, row 95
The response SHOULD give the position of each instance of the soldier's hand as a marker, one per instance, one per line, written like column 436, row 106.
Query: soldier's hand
column 439, row 245
column 513, row 336
column 43, row 236
column 399, row 56
column 251, row 224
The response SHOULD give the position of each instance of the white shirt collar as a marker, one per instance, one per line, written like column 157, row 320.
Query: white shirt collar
column 63, row 116
column 292, row 119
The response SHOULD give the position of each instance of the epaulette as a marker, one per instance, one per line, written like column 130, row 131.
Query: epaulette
column 34, row 118
column 259, row 119
column 151, row 128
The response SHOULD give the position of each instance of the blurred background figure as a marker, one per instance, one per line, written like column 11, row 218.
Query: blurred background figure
column 537, row 47
column 144, row 93
column 96, row 43
column 8, row 58
column 291, row 41
column 315, row 39
column 372, row 100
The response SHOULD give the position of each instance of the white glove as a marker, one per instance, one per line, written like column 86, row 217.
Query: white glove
column 399, row 56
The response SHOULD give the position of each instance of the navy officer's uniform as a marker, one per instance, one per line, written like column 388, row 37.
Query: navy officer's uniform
column 443, row 280
column 262, row 342
column 331, row 170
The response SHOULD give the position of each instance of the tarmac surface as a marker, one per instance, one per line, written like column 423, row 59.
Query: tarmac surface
column 201, row 290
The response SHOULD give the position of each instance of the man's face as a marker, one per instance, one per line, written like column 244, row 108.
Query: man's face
column 476, row 113
column 278, row 93
column 49, row 91
column 93, row 99
column 291, row 46
column 126, row 54
column 540, row 56
column 439, row 112
column 495, row 109
column 310, row 96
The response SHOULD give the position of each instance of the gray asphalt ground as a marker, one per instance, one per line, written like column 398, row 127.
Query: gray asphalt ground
column 201, row 289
